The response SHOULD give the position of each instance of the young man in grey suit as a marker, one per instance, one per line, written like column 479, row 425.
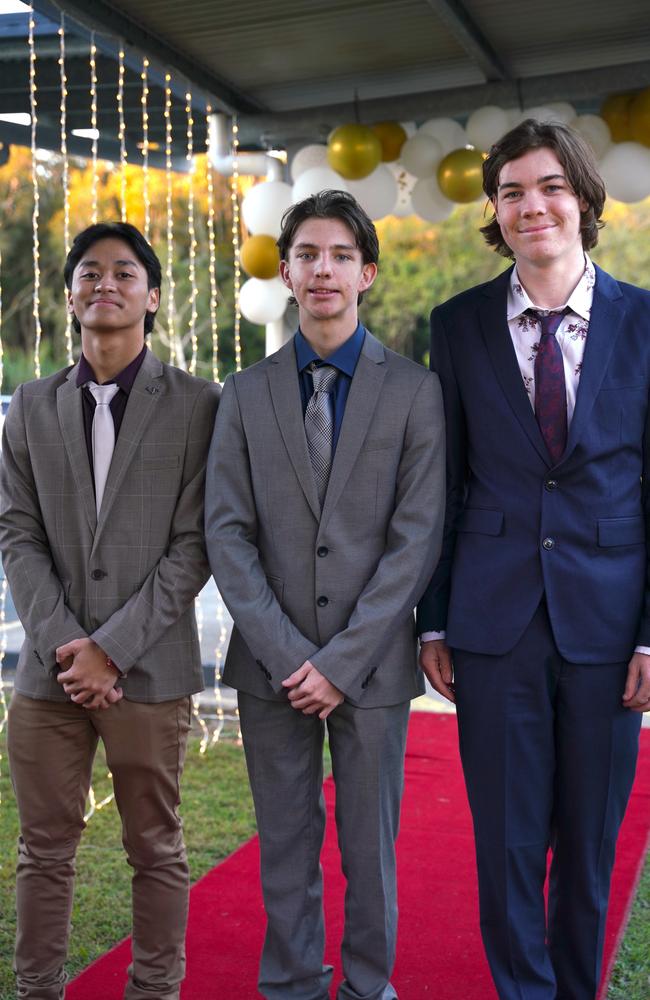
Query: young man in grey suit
column 324, row 509
column 101, row 510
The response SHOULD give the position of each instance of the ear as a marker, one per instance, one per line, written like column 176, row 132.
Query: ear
column 68, row 301
column 368, row 275
column 284, row 274
column 153, row 301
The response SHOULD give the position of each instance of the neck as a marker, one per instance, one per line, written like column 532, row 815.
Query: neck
column 550, row 287
column 109, row 355
column 326, row 338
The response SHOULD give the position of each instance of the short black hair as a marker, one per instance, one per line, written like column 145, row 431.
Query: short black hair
column 331, row 204
column 120, row 231
column 579, row 164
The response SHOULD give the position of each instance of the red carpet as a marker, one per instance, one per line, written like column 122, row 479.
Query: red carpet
column 439, row 951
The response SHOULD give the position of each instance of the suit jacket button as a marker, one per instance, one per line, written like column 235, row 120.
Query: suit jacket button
column 259, row 663
column 548, row 543
column 550, row 485
column 322, row 550
column 98, row 574
column 322, row 601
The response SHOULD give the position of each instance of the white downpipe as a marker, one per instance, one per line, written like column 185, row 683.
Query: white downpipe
column 254, row 164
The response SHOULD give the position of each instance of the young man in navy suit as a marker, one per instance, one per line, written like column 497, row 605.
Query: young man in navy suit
column 537, row 620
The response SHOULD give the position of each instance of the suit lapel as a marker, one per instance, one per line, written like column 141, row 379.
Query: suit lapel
column 147, row 389
column 70, row 413
column 285, row 394
column 359, row 409
column 494, row 326
column 607, row 313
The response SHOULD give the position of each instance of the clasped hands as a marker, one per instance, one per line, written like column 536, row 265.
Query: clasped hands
column 87, row 676
column 310, row 692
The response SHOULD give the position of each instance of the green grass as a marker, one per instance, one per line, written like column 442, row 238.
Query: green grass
column 218, row 816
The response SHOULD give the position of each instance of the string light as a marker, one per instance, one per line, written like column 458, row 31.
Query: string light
column 93, row 124
column 35, row 212
column 121, row 132
column 65, row 177
column 171, row 306
column 191, row 233
column 234, row 197
column 144, row 76
column 212, row 251
column 2, row 353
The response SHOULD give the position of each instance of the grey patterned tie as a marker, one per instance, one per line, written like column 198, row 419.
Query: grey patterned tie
column 103, row 436
column 319, row 425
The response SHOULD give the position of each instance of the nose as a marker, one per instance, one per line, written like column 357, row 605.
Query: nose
column 533, row 203
column 324, row 265
column 103, row 282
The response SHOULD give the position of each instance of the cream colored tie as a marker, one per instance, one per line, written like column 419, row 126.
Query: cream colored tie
column 103, row 435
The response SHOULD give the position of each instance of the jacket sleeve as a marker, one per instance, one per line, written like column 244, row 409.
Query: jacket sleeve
column 231, row 537
column 413, row 538
column 36, row 588
column 170, row 588
column 433, row 605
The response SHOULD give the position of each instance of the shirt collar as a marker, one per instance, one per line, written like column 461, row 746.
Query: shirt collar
column 344, row 357
column 579, row 301
column 124, row 379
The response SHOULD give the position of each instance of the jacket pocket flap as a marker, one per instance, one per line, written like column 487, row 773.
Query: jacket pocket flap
column 621, row 531
column 484, row 522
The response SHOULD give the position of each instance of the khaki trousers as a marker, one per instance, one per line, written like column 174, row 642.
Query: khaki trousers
column 51, row 749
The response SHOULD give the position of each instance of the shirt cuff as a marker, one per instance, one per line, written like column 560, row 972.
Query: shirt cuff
column 642, row 649
column 430, row 636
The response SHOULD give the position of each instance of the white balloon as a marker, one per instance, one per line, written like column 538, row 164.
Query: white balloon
column 317, row 179
column 264, row 205
column 486, row 125
column 263, row 301
column 421, row 155
column 429, row 202
column 410, row 128
column 449, row 133
column 541, row 113
column 595, row 131
column 376, row 193
column 405, row 183
column 625, row 168
column 562, row 111
column 314, row 155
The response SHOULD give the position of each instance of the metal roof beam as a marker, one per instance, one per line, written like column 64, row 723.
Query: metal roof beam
column 586, row 87
column 102, row 16
column 473, row 41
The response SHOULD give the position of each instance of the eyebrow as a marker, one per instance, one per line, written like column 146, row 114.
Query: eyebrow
column 335, row 246
column 95, row 263
column 540, row 180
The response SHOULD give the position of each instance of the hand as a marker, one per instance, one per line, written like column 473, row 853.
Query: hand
column 87, row 677
column 637, row 686
column 435, row 661
column 311, row 692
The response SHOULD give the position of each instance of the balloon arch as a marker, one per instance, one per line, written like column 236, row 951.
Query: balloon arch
column 398, row 169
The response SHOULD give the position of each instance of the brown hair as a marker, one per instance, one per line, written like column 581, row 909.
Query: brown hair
column 579, row 165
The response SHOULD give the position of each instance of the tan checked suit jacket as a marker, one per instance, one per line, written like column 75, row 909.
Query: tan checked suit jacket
column 129, row 578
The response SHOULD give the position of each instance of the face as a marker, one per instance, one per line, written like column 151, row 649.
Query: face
column 325, row 271
column 537, row 211
column 109, row 291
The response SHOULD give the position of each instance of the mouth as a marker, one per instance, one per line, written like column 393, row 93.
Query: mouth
column 104, row 302
column 533, row 230
column 322, row 292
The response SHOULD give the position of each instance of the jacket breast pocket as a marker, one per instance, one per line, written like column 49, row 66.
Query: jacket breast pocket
column 621, row 531
column 481, row 520
column 158, row 463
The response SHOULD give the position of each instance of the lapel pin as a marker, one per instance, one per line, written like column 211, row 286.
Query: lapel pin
column 153, row 389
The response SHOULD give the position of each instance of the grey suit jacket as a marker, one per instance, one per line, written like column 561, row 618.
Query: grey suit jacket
column 129, row 579
column 336, row 587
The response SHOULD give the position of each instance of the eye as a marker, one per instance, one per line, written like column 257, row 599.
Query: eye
column 125, row 274
column 90, row 274
column 511, row 195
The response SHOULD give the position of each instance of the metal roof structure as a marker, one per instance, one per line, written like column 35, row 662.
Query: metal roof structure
column 293, row 69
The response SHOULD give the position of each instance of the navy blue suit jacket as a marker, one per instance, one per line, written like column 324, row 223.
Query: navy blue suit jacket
column 517, row 526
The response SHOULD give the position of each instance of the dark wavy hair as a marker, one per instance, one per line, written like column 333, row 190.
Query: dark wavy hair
column 580, row 169
column 331, row 204
column 120, row 231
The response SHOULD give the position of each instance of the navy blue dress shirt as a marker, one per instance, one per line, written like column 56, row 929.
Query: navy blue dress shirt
column 344, row 359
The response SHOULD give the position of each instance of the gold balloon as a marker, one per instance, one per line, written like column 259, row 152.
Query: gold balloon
column 354, row 151
column 392, row 137
column 460, row 175
column 260, row 257
column 639, row 113
column 616, row 112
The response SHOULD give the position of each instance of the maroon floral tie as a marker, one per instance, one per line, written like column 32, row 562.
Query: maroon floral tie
column 550, row 387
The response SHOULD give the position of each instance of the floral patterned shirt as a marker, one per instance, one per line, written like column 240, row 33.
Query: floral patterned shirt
column 571, row 334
